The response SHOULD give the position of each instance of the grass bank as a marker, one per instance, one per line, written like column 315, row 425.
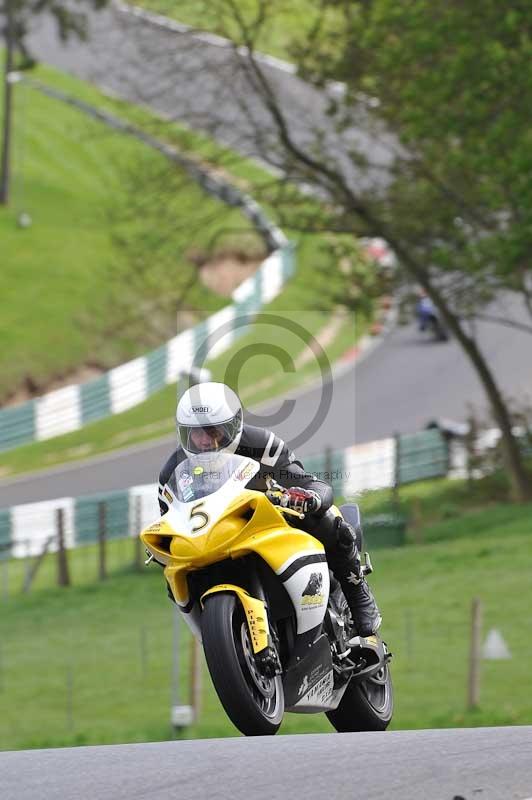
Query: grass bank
column 82, row 285
column 92, row 664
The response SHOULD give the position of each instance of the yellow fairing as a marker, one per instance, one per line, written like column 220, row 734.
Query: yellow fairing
column 255, row 614
column 250, row 524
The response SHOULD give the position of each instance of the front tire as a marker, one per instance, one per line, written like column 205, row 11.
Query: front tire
column 365, row 706
column 252, row 701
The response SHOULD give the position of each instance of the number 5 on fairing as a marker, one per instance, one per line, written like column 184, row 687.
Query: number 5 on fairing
column 194, row 512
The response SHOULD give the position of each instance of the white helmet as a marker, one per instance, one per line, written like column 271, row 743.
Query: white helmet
column 209, row 419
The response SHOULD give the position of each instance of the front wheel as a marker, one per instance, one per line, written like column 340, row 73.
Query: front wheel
column 365, row 706
column 253, row 702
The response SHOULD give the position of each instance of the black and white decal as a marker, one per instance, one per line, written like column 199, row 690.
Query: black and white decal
column 306, row 579
column 316, row 695
column 272, row 451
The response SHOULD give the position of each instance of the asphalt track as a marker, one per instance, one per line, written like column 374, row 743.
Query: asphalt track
column 204, row 85
column 458, row 764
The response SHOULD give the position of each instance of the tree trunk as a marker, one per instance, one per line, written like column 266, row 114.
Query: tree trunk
column 520, row 481
column 8, row 98
column 521, row 485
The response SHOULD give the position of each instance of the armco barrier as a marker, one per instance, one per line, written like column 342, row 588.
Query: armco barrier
column 71, row 407
column 24, row 529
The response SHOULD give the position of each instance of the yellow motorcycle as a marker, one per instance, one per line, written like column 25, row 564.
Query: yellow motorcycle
column 258, row 594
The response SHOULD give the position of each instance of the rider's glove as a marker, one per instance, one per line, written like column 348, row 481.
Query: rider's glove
column 305, row 501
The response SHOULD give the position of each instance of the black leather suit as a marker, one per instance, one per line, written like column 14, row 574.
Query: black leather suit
column 278, row 461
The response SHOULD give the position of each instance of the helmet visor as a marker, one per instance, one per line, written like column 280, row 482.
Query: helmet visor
column 209, row 438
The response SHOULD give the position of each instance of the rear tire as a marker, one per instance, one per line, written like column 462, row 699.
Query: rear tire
column 438, row 331
column 365, row 706
column 252, row 701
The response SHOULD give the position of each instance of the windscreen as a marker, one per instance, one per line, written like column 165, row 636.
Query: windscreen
column 203, row 474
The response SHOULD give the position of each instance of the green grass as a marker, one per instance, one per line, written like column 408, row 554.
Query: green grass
column 282, row 20
column 72, row 671
column 96, row 224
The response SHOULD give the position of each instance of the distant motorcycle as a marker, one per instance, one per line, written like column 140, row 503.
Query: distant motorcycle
column 429, row 319
column 258, row 594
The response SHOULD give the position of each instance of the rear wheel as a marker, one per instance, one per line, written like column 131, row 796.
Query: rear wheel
column 438, row 330
column 254, row 702
column 365, row 706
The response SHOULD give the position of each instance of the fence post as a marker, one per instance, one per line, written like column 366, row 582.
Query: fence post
column 143, row 654
column 137, row 561
column 328, row 464
column 63, row 576
column 69, row 698
column 181, row 716
column 409, row 635
column 473, row 693
column 102, row 530
column 27, row 564
column 195, row 678
column 175, row 657
column 470, row 441
column 396, row 469
column 5, row 578
column 417, row 521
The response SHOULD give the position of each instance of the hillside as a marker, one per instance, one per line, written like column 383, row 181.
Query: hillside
column 111, row 264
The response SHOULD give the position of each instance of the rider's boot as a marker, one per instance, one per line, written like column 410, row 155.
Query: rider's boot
column 347, row 569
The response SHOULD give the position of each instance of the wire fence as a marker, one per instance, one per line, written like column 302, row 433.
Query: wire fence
column 95, row 677
column 120, row 674
column 52, row 564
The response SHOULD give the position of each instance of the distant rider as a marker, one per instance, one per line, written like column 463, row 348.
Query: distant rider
column 209, row 419
column 425, row 310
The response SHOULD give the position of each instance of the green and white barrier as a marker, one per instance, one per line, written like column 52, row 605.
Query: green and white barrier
column 24, row 529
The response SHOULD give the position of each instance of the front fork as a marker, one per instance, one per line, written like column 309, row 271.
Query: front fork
column 268, row 660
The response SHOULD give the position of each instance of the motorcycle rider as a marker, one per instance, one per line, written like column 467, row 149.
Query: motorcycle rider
column 425, row 309
column 428, row 316
column 209, row 420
